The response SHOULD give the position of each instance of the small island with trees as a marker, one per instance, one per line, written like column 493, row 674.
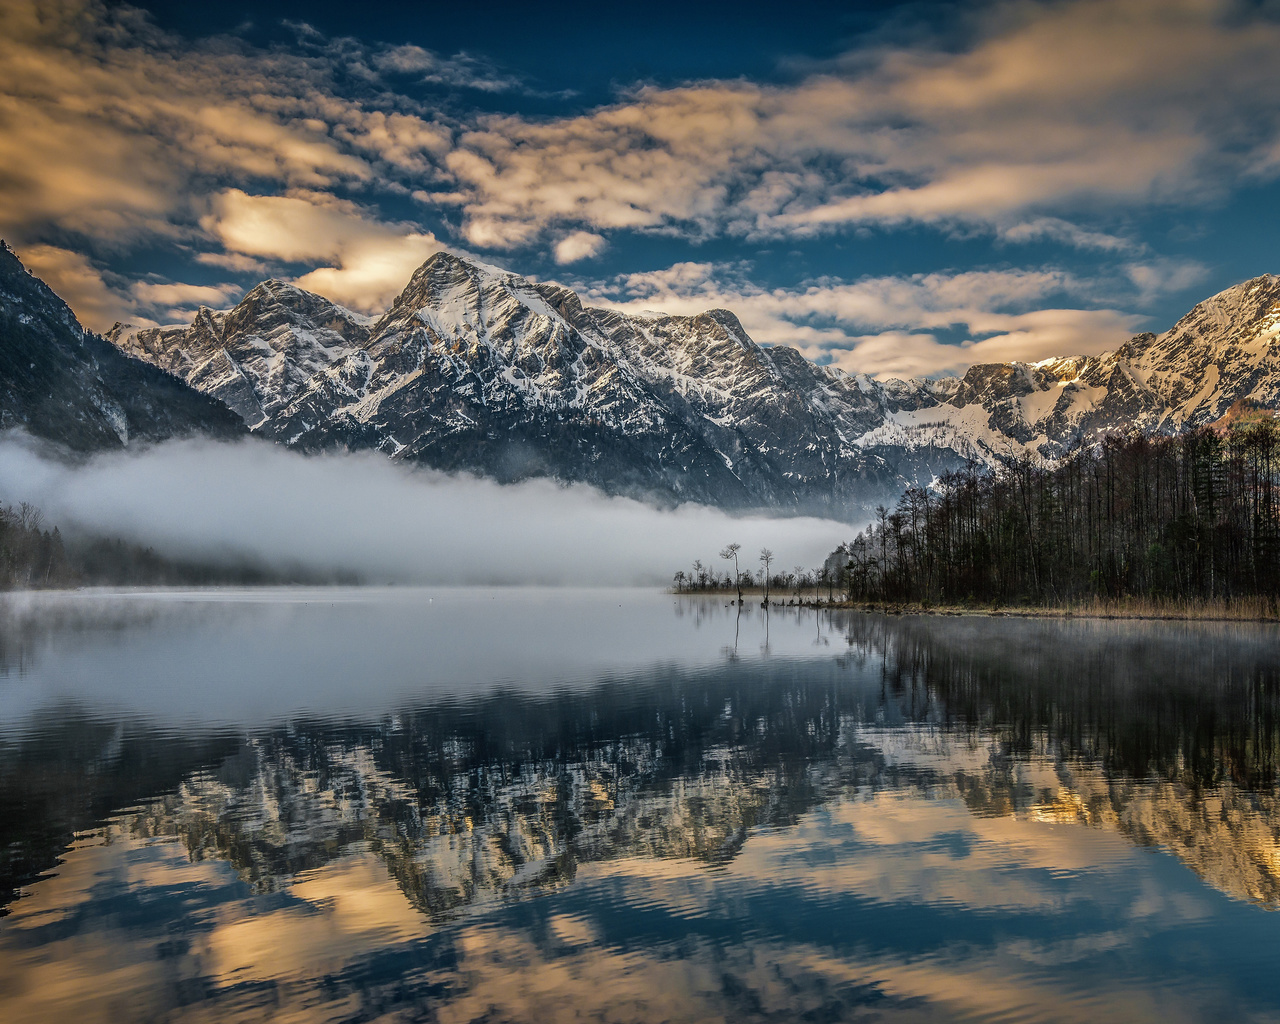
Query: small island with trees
column 1182, row 526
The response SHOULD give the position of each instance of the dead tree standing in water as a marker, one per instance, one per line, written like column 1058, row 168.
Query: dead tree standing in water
column 766, row 560
column 731, row 552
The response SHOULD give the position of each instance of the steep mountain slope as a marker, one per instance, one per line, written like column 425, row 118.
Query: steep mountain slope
column 258, row 356
column 1226, row 350
column 66, row 384
column 475, row 368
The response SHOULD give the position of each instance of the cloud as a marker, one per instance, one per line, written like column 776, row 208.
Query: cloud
column 99, row 305
column 885, row 326
column 580, row 245
column 1033, row 124
column 373, row 271
column 1052, row 107
column 161, row 294
column 1165, row 276
column 105, row 124
column 112, row 134
column 1054, row 229
column 371, row 260
column 232, row 261
column 304, row 227
column 462, row 69
column 361, row 513
column 172, row 302
column 1028, row 337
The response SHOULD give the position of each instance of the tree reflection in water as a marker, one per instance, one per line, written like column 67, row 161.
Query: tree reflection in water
column 862, row 827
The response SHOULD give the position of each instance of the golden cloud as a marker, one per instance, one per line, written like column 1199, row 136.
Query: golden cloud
column 79, row 283
column 882, row 326
column 1130, row 100
column 579, row 245
column 111, row 132
column 371, row 260
column 105, row 140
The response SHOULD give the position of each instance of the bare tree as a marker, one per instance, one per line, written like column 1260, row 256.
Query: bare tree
column 882, row 517
column 766, row 560
column 731, row 552
column 29, row 516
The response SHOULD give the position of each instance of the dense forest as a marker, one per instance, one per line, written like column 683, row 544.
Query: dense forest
column 1194, row 517
column 33, row 556
column 1191, row 517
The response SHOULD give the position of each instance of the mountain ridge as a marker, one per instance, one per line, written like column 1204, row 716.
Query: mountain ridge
column 476, row 368
column 65, row 384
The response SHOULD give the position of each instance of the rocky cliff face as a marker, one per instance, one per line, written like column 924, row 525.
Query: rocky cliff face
column 1224, row 351
column 257, row 357
column 474, row 368
column 477, row 369
column 65, row 384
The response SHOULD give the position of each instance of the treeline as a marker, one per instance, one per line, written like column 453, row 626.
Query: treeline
column 1191, row 517
column 34, row 557
column 30, row 556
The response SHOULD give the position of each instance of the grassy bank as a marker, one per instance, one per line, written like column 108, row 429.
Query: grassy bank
column 1244, row 609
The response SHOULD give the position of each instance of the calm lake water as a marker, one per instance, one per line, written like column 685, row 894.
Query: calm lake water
column 493, row 805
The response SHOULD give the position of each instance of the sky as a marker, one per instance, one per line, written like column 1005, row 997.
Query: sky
column 898, row 189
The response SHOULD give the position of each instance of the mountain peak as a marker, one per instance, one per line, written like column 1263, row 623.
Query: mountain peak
column 478, row 369
column 450, row 264
column 1232, row 308
column 21, row 282
column 730, row 322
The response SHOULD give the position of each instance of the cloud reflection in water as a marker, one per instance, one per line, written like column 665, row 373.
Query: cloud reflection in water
column 924, row 820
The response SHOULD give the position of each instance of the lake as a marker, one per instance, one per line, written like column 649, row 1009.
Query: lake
column 572, row 805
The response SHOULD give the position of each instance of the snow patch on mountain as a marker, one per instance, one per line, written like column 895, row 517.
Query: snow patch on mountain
column 476, row 368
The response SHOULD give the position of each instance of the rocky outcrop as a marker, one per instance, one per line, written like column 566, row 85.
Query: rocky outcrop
column 478, row 369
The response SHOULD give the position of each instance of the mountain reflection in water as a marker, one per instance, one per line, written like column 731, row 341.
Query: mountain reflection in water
column 705, row 816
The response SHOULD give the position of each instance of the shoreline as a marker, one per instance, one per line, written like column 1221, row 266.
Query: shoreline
column 1251, row 609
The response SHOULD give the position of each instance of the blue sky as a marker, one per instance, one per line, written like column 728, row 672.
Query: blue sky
column 894, row 188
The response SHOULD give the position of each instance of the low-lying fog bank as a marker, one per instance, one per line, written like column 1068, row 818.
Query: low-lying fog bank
column 361, row 514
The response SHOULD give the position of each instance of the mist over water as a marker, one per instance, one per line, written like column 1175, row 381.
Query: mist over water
column 384, row 522
column 505, row 804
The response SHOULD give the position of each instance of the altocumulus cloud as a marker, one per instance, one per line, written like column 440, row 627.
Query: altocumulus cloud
column 882, row 325
column 1049, row 106
column 385, row 522
column 117, row 136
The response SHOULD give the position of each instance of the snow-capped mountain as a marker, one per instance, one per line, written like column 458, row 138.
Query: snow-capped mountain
column 478, row 369
column 260, row 355
column 65, row 384
column 475, row 368
column 1225, row 350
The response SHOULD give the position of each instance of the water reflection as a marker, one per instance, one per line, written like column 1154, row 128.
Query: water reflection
column 739, row 816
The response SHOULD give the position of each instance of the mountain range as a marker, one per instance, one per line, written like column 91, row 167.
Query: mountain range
column 473, row 368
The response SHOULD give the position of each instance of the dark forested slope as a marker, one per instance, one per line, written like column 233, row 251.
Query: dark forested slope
column 65, row 384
